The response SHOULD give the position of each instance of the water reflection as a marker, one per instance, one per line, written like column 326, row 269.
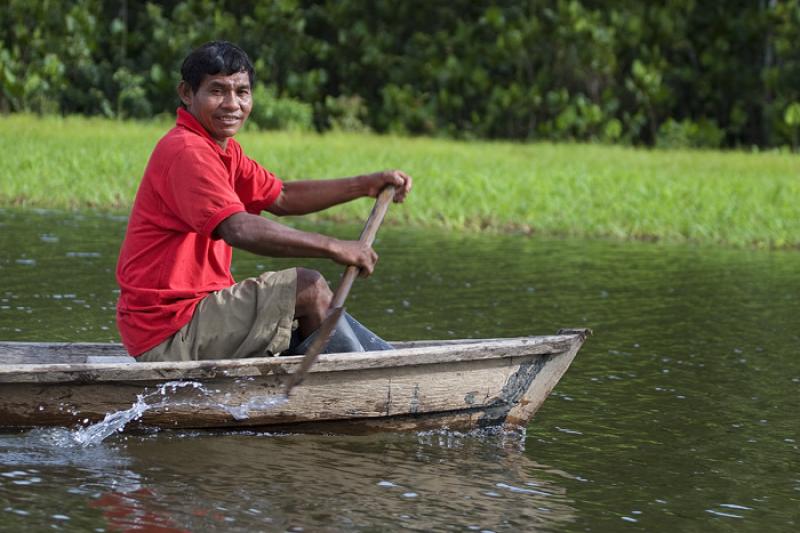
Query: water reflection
column 247, row 481
column 49, row 481
column 338, row 483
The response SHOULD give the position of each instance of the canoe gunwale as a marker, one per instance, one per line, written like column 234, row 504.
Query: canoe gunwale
column 467, row 350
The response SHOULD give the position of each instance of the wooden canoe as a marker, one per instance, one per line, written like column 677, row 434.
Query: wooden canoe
column 458, row 385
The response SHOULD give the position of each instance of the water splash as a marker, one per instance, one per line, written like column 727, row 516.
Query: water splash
column 116, row 421
column 242, row 412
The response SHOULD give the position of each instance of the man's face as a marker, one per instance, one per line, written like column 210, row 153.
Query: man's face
column 221, row 104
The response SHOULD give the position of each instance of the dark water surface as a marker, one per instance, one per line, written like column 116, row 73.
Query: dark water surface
column 681, row 413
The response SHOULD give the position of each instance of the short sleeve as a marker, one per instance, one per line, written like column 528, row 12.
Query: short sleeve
column 257, row 187
column 199, row 191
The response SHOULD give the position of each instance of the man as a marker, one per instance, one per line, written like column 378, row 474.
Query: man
column 200, row 196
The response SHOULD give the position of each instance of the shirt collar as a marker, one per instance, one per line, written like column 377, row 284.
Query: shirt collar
column 187, row 120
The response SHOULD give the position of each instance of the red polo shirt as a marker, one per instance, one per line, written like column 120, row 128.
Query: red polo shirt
column 169, row 260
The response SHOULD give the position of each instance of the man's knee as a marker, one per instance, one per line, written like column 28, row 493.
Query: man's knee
column 312, row 290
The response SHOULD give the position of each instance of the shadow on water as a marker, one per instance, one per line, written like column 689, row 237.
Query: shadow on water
column 679, row 413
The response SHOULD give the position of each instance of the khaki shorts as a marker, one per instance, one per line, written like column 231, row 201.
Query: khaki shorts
column 250, row 319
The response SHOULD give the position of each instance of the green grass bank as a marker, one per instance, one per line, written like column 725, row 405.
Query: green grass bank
column 731, row 198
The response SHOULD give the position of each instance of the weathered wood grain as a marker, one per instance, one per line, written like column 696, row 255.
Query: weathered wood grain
column 458, row 385
column 67, row 349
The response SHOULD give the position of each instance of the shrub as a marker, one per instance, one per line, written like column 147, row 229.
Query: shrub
column 271, row 112
column 689, row 134
column 346, row 113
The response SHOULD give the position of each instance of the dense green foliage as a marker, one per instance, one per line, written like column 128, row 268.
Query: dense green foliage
column 744, row 199
column 673, row 73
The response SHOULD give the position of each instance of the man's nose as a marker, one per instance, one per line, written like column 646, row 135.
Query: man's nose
column 230, row 101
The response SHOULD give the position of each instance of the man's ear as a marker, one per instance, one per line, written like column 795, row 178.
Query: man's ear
column 185, row 93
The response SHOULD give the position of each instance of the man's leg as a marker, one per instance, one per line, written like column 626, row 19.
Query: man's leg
column 313, row 298
column 311, row 308
column 252, row 318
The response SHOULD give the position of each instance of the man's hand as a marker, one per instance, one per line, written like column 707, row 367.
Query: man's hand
column 378, row 180
column 355, row 253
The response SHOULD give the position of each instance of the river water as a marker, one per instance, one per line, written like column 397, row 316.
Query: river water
column 681, row 413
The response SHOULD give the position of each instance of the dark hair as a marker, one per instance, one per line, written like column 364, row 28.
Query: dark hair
column 212, row 58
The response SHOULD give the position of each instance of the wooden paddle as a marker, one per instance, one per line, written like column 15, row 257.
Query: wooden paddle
column 337, row 304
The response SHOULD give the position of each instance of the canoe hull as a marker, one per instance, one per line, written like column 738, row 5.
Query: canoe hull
column 458, row 386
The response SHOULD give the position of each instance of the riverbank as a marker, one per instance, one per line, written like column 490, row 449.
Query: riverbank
column 730, row 198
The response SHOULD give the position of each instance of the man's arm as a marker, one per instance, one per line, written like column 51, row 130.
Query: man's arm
column 310, row 196
column 261, row 236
